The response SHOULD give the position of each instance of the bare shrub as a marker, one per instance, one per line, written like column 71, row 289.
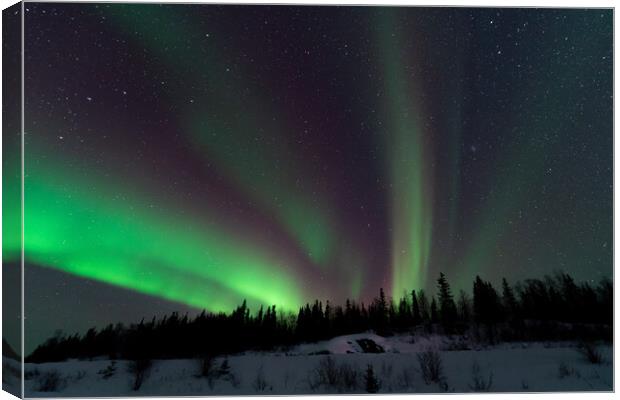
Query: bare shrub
column 405, row 379
column 327, row 372
column 371, row 384
column 431, row 366
column 329, row 375
column 260, row 384
column 224, row 372
column 349, row 377
column 205, row 367
column 224, row 369
column 49, row 381
column 590, row 352
column 31, row 373
column 109, row 371
column 208, row 370
column 478, row 382
column 565, row 370
column 140, row 369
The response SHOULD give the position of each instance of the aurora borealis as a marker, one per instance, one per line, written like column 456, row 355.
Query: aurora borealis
column 202, row 154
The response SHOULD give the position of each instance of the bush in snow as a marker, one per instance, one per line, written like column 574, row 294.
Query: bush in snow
column 431, row 366
column 108, row 371
column 328, row 374
column 591, row 352
column 49, row 381
column 224, row 369
column 371, row 384
column 140, row 369
column 565, row 370
column 31, row 373
column 478, row 382
column 205, row 365
column 348, row 377
column 260, row 384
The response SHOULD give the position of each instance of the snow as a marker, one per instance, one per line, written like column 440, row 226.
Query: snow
column 515, row 367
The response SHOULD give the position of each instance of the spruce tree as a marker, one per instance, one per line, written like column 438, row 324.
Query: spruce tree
column 508, row 299
column 425, row 315
column 415, row 309
column 434, row 311
column 447, row 307
column 464, row 307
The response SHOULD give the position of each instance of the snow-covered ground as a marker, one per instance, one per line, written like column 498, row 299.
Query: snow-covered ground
column 514, row 367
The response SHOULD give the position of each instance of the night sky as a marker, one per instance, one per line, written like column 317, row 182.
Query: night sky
column 192, row 156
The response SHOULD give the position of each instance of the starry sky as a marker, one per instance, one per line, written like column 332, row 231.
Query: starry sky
column 181, row 157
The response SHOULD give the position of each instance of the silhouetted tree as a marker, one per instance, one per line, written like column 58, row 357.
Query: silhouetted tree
column 415, row 309
column 447, row 307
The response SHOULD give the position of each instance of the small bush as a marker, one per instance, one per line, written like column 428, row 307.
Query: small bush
column 108, row 371
column 328, row 372
column 348, row 377
column 49, row 381
column 139, row 369
column 224, row 369
column 565, row 370
column 371, row 383
column 431, row 366
column 329, row 375
column 260, row 384
column 478, row 383
column 32, row 373
column 205, row 367
column 208, row 370
column 591, row 353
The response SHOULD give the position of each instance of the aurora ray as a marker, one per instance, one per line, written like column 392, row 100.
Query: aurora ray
column 409, row 166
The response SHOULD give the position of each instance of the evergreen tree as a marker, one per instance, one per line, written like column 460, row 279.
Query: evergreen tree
column 464, row 307
column 415, row 309
column 447, row 307
column 508, row 299
column 434, row 311
column 425, row 315
column 404, row 314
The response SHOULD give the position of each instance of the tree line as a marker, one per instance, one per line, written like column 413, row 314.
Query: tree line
column 553, row 308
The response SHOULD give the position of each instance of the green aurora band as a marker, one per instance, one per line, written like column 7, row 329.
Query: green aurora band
column 82, row 229
column 409, row 166
column 265, row 171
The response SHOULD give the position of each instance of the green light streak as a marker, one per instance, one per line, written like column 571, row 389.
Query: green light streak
column 78, row 227
column 411, row 190
column 263, row 170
